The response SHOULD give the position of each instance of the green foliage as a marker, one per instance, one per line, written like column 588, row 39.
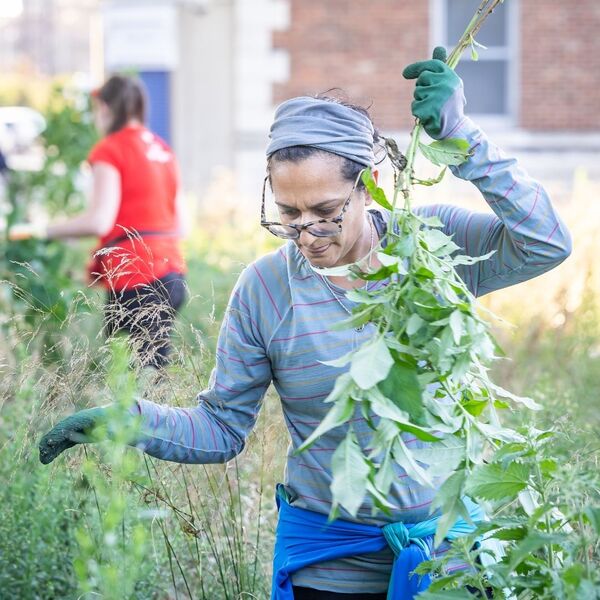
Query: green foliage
column 550, row 543
column 352, row 472
column 110, row 565
column 425, row 372
column 495, row 482
column 451, row 151
column 37, row 275
column 36, row 533
column 94, row 518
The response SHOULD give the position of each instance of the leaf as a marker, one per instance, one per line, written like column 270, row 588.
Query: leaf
column 430, row 182
column 500, row 433
column 574, row 574
column 402, row 387
column 475, row 447
column 449, row 501
column 492, row 482
column 342, row 361
column 350, row 472
column 548, row 466
column 474, row 42
column 405, row 246
column 414, row 323
column 386, row 409
column 510, row 534
column 441, row 457
column 528, row 402
column 378, row 275
column 475, row 407
column 511, row 451
column 374, row 191
column 389, row 261
column 362, row 317
column 404, row 457
column 446, row 595
column 343, row 387
column 371, row 364
column 425, row 273
column 383, row 434
column 592, row 515
column 379, row 497
column 456, row 324
column 461, row 366
column 451, row 151
column 463, row 259
column 543, row 435
column 385, row 474
column 447, row 250
column 434, row 239
column 534, row 541
column 339, row 413
column 433, row 221
column 360, row 295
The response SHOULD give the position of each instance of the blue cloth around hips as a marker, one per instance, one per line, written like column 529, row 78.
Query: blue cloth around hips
column 323, row 124
column 304, row 537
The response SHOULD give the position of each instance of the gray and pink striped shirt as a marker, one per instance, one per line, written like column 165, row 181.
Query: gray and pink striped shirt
column 277, row 330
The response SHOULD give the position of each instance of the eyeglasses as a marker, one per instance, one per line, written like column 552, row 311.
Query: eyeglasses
column 321, row 228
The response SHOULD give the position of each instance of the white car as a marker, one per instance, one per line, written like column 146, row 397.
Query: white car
column 19, row 126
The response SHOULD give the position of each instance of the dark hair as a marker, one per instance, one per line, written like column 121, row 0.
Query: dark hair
column 126, row 99
column 349, row 168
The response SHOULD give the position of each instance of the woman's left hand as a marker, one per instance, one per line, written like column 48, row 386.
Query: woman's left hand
column 27, row 231
column 439, row 97
column 83, row 427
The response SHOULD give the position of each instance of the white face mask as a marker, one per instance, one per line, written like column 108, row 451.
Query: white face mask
column 340, row 271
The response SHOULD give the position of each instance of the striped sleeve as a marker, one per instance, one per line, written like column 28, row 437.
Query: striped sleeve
column 527, row 234
column 216, row 429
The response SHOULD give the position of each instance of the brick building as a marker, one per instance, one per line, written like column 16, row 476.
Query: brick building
column 541, row 71
column 215, row 69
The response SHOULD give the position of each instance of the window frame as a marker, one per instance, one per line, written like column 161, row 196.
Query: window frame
column 438, row 11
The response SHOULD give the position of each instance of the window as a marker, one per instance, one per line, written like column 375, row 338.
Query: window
column 490, row 85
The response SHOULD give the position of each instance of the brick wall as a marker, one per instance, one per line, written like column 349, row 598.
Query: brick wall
column 360, row 47
column 560, row 66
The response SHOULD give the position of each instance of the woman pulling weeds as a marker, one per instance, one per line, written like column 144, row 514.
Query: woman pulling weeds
column 279, row 329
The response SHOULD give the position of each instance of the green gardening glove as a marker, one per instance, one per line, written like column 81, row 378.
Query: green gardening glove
column 439, row 96
column 84, row 427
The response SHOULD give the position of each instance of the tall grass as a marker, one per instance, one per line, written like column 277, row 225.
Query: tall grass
column 124, row 525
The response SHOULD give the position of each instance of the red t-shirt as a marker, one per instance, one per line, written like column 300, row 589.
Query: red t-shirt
column 143, row 244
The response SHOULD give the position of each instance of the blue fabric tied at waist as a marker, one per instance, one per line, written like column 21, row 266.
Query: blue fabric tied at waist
column 304, row 537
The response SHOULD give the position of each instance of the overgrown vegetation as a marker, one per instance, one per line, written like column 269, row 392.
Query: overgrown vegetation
column 37, row 274
column 106, row 520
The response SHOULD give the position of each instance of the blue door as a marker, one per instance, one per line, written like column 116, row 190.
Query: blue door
column 158, row 86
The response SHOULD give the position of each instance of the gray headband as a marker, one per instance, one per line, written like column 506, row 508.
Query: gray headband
column 306, row 121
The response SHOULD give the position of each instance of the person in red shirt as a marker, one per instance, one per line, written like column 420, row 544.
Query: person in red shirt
column 136, row 211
